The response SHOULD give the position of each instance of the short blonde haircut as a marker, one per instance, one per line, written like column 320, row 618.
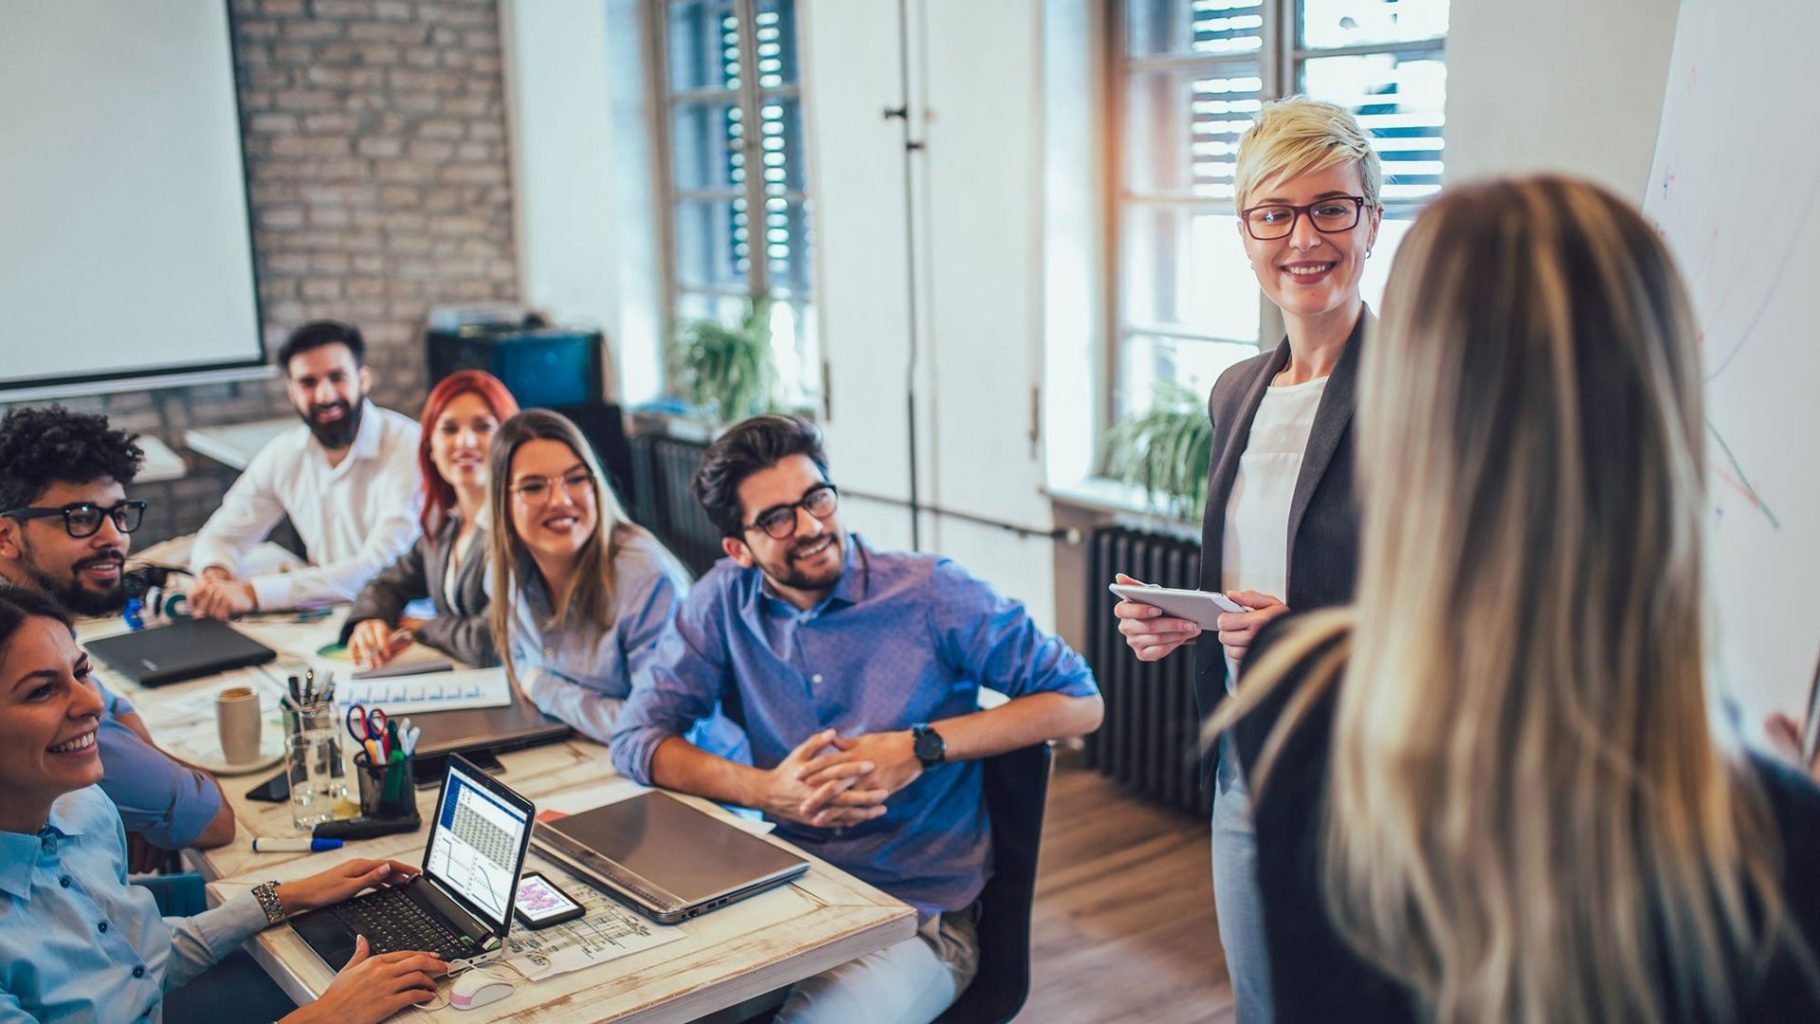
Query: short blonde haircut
column 1298, row 136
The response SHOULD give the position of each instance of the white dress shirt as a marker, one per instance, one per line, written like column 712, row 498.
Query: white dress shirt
column 355, row 518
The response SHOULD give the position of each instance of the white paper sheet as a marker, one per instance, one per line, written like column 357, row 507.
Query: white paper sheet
column 606, row 932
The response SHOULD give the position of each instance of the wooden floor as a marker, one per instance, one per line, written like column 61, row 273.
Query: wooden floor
column 1123, row 928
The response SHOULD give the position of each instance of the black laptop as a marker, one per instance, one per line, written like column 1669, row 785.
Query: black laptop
column 461, row 906
column 188, row 649
column 481, row 734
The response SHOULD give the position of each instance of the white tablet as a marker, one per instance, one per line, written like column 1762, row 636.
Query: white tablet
column 1203, row 607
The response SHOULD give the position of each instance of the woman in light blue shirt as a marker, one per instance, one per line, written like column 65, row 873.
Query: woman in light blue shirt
column 586, row 592
column 77, row 942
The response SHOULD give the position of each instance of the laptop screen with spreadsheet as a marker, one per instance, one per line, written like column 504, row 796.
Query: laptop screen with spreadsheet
column 477, row 843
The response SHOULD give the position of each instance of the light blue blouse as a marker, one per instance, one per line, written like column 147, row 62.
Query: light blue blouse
column 583, row 677
column 78, row 943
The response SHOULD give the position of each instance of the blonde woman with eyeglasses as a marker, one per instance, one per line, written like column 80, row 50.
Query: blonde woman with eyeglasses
column 1281, row 527
column 586, row 592
column 1492, row 791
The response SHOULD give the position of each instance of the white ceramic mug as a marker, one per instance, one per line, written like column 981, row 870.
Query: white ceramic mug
column 237, row 721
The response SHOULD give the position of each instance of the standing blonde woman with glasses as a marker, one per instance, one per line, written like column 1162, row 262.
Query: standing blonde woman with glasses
column 1281, row 527
column 1492, row 791
column 580, row 593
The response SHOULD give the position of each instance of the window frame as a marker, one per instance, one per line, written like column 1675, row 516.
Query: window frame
column 749, row 98
column 1280, row 60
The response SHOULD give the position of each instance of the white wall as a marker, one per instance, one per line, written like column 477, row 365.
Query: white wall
column 976, row 104
column 1567, row 85
column 576, row 90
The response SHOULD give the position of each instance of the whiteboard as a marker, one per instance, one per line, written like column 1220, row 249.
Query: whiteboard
column 1735, row 188
column 124, row 243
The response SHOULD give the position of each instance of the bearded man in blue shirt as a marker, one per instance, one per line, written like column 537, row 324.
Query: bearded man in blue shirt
column 856, row 674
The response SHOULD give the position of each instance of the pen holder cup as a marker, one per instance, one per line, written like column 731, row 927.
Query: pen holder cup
column 386, row 790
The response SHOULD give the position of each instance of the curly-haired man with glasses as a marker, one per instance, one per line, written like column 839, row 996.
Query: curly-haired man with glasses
column 65, row 529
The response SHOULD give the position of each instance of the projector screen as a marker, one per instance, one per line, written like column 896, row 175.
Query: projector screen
column 125, row 252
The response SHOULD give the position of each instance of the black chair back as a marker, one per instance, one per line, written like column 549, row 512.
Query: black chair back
column 1017, row 788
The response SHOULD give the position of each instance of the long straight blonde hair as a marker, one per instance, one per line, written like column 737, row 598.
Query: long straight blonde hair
column 589, row 603
column 1529, row 817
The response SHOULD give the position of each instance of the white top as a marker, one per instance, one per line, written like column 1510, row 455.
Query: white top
column 1254, row 552
column 355, row 518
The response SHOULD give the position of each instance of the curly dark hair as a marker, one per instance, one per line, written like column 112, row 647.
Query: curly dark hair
column 43, row 446
column 758, row 443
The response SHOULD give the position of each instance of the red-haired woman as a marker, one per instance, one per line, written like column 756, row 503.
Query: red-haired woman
column 448, row 563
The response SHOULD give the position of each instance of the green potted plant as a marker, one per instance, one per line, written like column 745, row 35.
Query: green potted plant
column 726, row 372
column 1164, row 450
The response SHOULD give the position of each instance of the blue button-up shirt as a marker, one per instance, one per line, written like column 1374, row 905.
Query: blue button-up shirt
column 78, row 943
column 901, row 639
column 582, row 676
column 169, row 803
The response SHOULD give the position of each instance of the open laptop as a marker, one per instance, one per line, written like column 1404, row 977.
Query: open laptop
column 663, row 858
column 187, row 649
column 461, row 905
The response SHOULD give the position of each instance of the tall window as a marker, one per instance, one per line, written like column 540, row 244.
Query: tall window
column 1190, row 76
column 734, row 162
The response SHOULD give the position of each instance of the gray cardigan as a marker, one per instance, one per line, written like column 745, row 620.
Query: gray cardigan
column 460, row 627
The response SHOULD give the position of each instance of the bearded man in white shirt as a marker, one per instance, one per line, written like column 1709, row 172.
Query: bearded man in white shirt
column 347, row 478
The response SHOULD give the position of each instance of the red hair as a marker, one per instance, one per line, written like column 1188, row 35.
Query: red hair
column 439, row 494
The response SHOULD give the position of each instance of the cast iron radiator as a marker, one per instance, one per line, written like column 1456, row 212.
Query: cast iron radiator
column 1151, row 735
column 663, row 467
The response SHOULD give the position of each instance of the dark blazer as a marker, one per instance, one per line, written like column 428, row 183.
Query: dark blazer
column 1316, row 977
column 460, row 627
column 1323, row 522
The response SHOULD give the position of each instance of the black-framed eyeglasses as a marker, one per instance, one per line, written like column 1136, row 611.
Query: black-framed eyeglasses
column 1330, row 216
column 83, row 518
column 779, row 521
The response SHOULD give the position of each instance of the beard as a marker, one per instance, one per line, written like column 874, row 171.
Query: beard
column 338, row 433
column 75, row 595
column 785, row 572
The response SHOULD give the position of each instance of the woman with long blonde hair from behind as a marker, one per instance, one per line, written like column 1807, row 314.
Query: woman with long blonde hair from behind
column 1491, row 791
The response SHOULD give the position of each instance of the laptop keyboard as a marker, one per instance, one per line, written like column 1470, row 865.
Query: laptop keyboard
column 392, row 922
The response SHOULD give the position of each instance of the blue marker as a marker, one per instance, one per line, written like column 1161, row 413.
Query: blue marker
column 293, row 844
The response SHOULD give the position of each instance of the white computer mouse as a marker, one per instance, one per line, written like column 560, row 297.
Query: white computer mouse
column 476, row 988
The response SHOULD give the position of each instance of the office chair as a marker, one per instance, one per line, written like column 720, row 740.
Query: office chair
column 1017, row 788
column 1017, row 791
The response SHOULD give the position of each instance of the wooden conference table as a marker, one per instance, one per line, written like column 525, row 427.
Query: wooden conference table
column 722, row 958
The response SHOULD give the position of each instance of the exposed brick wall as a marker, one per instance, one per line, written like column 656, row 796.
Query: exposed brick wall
column 380, row 185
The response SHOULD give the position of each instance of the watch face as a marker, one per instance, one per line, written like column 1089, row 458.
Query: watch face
column 929, row 746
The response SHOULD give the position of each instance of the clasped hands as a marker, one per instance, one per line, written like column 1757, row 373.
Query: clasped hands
column 832, row 781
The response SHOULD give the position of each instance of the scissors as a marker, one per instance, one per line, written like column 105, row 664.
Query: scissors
column 368, row 730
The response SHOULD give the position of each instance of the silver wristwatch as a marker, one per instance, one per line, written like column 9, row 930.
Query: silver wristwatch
column 267, row 895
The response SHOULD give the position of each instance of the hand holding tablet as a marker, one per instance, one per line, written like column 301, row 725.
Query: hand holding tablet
column 1202, row 607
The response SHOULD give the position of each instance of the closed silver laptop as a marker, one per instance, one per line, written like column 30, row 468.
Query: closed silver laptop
column 663, row 858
